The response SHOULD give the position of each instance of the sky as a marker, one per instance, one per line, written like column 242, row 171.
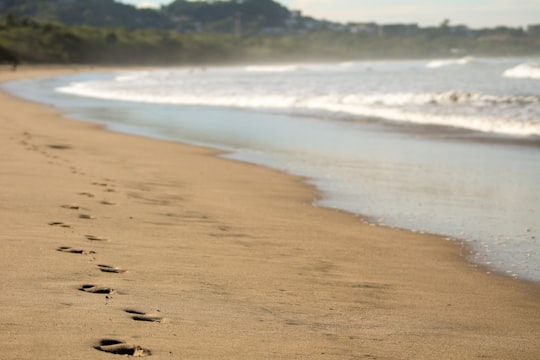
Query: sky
column 474, row 13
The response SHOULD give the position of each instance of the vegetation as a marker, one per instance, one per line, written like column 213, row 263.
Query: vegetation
column 98, row 13
column 254, row 14
column 106, row 32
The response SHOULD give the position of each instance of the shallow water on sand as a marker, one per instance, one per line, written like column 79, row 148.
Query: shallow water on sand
column 481, row 188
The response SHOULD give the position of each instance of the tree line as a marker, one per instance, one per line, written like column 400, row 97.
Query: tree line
column 33, row 41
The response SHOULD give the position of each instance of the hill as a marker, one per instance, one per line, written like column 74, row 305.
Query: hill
column 179, row 15
column 99, row 13
column 224, row 15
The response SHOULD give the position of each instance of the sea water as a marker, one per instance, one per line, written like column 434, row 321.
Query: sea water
column 443, row 146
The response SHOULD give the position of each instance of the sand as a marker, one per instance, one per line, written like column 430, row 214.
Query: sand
column 123, row 244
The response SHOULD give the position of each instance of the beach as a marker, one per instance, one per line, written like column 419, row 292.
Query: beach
column 174, row 252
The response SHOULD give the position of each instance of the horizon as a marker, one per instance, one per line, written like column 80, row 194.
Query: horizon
column 425, row 13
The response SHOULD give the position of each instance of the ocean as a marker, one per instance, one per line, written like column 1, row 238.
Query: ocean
column 450, row 146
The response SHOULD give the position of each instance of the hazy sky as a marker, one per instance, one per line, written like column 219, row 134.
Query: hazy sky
column 475, row 13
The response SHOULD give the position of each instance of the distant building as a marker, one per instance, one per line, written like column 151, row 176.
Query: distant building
column 336, row 27
column 364, row 28
column 311, row 24
column 294, row 19
column 533, row 30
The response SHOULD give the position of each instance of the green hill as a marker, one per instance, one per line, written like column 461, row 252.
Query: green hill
column 216, row 15
column 100, row 13
column 222, row 15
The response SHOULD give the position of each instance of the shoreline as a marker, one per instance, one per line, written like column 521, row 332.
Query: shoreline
column 308, row 280
column 509, row 262
column 431, row 132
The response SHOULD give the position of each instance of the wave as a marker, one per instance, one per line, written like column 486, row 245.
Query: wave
column 445, row 98
column 131, row 76
column 273, row 68
column 476, row 123
column 473, row 111
column 318, row 67
column 398, row 91
column 452, row 62
column 524, row 71
column 396, row 107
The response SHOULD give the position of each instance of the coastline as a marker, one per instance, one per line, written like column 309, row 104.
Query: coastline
column 228, row 253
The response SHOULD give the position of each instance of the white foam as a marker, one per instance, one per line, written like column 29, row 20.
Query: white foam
column 273, row 68
column 476, row 123
column 452, row 62
column 337, row 95
column 130, row 76
column 524, row 71
column 384, row 106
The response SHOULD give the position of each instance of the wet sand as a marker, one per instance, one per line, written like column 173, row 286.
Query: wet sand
column 123, row 244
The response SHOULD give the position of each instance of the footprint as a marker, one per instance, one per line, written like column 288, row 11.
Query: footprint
column 105, row 202
column 59, row 146
column 59, row 223
column 95, row 238
column 86, row 216
column 142, row 316
column 71, row 207
column 122, row 348
column 111, row 269
column 87, row 194
column 96, row 289
column 71, row 250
